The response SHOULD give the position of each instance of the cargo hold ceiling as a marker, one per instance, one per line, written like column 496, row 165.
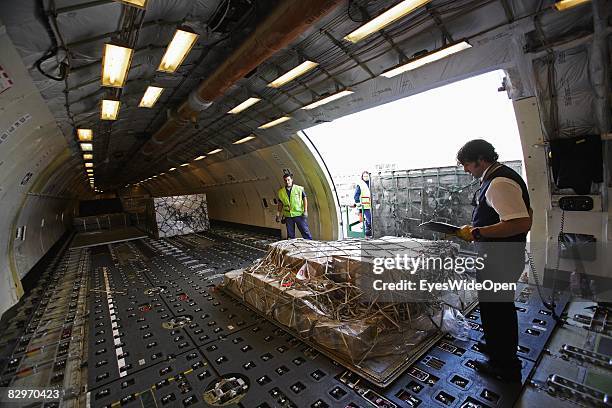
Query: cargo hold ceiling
column 62, row 41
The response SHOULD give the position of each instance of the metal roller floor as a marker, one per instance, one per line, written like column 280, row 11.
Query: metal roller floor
column 160, row 334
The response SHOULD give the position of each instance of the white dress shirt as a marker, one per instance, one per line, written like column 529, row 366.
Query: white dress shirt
column 505, row 196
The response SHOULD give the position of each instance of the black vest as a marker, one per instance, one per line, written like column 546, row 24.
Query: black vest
column 483, row 214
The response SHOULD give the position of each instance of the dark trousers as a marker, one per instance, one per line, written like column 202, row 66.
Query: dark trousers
column 367, row 219
column 500, row 326
column 504, row 264
column 302, row 224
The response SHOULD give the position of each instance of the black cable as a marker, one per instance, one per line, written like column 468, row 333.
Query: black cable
column 549, row 305
column 54, row 49
column 51, row 52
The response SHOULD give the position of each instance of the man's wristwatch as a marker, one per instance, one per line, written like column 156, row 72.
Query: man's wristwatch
column 476, row 234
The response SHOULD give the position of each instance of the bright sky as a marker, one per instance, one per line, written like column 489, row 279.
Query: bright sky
column 424, row 130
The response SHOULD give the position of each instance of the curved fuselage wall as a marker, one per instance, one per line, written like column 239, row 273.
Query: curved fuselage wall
column 38, row 181
column 244, row 189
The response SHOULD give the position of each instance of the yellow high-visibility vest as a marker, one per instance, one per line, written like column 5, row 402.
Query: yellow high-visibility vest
column 365, row 196
column 294, row 206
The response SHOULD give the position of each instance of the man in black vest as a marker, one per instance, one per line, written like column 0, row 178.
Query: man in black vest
column 500, row 221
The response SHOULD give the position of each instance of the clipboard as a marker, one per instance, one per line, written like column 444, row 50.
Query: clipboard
column 440, row 227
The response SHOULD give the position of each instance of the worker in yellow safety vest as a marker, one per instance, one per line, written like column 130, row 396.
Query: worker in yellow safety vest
column 363, row 198
column 294, row 206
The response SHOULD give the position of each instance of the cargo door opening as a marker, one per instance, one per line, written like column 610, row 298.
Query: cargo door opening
column 409, row 146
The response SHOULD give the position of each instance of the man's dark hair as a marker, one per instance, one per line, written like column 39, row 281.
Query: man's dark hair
column 477, row 149
column 287, row 175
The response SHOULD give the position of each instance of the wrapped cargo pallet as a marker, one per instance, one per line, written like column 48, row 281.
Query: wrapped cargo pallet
column 322, row 292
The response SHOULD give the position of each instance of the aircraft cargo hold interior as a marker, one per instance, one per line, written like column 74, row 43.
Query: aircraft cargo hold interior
column 175, row 230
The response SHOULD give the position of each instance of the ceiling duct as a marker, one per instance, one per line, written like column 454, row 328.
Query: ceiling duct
column 290, row 19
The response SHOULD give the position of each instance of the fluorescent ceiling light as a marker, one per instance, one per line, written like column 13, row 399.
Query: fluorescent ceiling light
column 110, row 109
column 87, row 147
column 136, row 3
column 184, row 164
column 328, row 99
column 244, row 105
column 199, row 158
column 429, row 58
column 85, row 135
column 88, row 156
column 301, row 69
column 390, row 16
column 150, row 96
column 274, row 122
column 567, row 4
column 115, row 65
column 177, row 50
column 89, row 165
column 215, row 151
column 244, row 139
column 172, row 169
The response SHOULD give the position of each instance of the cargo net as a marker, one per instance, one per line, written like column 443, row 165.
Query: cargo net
column 319, row 290
column 180, row 215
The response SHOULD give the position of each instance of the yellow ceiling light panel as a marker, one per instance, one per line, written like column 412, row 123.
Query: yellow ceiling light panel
column 199, row 158
column 184, row 164
column 172, row 169
column 428, row 58
column 110, row 109
column 300, row 70
column 244, row 139
column 400, row 10
column 244, row 105
column 85, row 135
column 89, row 165
column 88, row 156
column 142, row 4
column 115, row 65
column 274, row 122
column 215, row 151
column 567, row 4
column 328, row 99
column 177, row 50
column 150, row 96
column 87, row 147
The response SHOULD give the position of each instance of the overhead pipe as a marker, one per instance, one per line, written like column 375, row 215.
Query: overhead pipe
column 290, row 19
